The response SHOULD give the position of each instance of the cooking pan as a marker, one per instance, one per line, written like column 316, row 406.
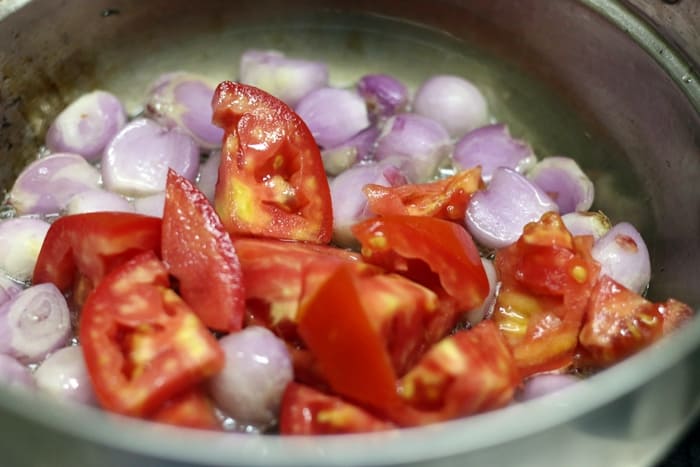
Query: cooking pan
column 584, row 78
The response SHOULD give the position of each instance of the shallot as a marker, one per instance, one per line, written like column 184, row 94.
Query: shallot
column 481, row 312
column 541, row 385
column 21, row 239
column 97, row 200
column 136, row 162
column 87, row 125
column 564, row 181
column 385, row 95
column 34, row 323
column 64, row 375
column 15, row 375
column 47, row 184
column 356, row 149
column 624, row 256
column 587, row 223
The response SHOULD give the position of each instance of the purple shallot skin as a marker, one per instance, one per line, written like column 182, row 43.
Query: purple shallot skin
column 624, row 256
column 87, row 125
column 47, row 184
column 15, row 375
column 137, row 160
column 496, row 216
column 385, row 95
column 564, row 181
column 490, row 147
column 357, row 149
column 34, row 323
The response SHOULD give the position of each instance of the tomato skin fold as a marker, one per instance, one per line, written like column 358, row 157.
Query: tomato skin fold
column 142, row 344
column 91, row 245
column 200, row 254
column 436, row 253
column 271, row 178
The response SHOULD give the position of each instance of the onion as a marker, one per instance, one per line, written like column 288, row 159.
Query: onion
column 383, row 94
column 289, row 79
column 478, row 314
column 151, row 205
column 543, row 384
column 564, row 181
column 416, row 144
column 46, row 185
column 136, row 162
column 97, row 200
column 8, row 289
column 350, row 203
column 64, row 375
column 333, row 115
column 256, row 372
column 183, row 100
column 496, row 216
column 453, row 101
column 490, row 147
column 87, row 125
column 34, row 323
column 587, row 223
column 21, row 239
column 15, row 375
column 623, row 255
column 356, row 149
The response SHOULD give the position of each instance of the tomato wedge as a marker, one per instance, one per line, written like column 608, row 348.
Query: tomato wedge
column 445, row 199
column 277, row 275
column 271, row 179
column 438, row 254
column 142, row 343
column 91, row 245
column 350, row 352
column 199, row 253
column 471, row 371
column 192, row 409
column 305, row 411
column 620, row 322
column 546, row 280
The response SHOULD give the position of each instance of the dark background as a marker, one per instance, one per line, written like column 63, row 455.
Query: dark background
column 686, row 453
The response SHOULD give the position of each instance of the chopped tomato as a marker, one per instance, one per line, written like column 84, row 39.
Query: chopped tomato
column 350, row 352
column 200, row 254
column 471, row 371
column 277, row 275
column 438, row 254
column 445, row 199
column 305, row 411
column 271, row 179
column 143, row 345
column 546, row 280
column 91, row 245
column 192, row 409
column 620, row 322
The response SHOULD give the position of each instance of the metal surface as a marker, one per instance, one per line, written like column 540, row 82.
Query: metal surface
column 575, row 77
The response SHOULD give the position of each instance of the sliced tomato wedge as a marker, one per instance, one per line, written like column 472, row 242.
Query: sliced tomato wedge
column 277, row 275
column 192, row 409
column 305, row 411
column 438, row 254
column 200, row 254
column 546, row 280
column 350, row 352
column 469, row 372
column 445, row 199
column 143, row 345
column 271, row 179
column 620, row 322
column 91, row 245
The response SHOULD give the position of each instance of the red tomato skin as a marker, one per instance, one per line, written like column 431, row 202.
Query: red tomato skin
column 192, row 409
column 546, row 280
column 438, row 254
column 350, row 352
column 620, row 322
column 445, row 199
column 468, row 372
column 305, row 411
column 271, row 178
column 200, row 254
column 142, row 344
column 92, row 244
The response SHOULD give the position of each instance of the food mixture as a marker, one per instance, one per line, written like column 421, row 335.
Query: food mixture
column 276, row 254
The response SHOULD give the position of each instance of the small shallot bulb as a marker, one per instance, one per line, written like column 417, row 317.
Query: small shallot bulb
column 454, row 102
column 15, row 375
column 385, row 95
column 21, row 239
column 256, row 372
column 64, row 375
column 624, row 256
column 564, row 181
column 543, row 384
column 87, row 125
column 97, row 200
